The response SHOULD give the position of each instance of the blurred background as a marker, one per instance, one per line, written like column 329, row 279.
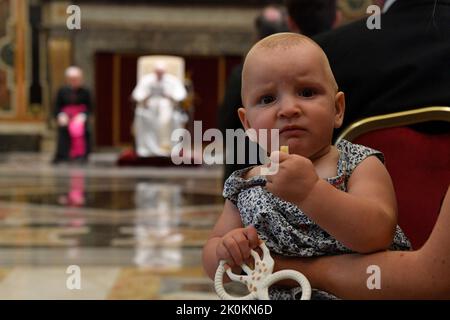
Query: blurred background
column 135, row 232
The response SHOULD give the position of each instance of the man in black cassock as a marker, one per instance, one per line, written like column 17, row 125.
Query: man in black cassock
column 72, row 109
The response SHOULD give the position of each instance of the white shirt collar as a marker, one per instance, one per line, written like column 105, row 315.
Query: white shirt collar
column 387, row 5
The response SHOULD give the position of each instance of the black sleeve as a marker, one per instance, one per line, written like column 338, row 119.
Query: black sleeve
column 59, row 103
column 89, row 105
column 228, row 116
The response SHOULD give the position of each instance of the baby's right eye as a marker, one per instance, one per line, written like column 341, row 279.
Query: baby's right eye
column 266, row 99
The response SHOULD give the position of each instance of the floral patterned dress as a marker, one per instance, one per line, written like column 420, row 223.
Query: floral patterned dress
column 285, row 229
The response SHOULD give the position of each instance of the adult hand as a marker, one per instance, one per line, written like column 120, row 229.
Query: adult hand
column 81, row 117
column 62, row 119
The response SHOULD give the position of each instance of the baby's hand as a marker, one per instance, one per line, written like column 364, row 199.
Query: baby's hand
column 295, row 178
column 235, row 246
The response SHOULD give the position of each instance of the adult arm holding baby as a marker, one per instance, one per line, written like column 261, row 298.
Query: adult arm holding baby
column 419, row 274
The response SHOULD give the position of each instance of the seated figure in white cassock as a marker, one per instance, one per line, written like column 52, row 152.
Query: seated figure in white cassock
column 156, row 116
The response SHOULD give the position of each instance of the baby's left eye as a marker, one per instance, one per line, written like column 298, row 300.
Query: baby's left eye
column 266, row 99
column 307, row 92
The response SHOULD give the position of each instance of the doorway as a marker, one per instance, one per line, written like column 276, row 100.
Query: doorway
column 115, row 79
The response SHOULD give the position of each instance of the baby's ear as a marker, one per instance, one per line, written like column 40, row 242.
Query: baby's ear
column 339, row 106
column 243, row 117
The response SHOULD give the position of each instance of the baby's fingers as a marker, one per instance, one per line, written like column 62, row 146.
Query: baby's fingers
column 223, row 254
column 252, row 236
column 243, row 244
column 234, row 251
column 278, row 157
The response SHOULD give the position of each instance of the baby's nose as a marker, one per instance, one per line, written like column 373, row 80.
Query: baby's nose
column 289, row 107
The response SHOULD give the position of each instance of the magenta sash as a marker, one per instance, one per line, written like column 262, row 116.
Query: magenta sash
column 76, row 130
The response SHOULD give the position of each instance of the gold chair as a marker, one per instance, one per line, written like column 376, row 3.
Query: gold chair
column 418, row 162
column 174, row 65
column 395, row 119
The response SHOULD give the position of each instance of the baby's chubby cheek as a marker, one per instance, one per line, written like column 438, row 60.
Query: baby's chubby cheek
column 267, row 139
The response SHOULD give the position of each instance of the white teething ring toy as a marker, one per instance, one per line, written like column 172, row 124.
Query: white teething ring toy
column 260, row 279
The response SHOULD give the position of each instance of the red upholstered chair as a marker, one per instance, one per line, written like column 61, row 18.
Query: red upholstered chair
column 419, row 164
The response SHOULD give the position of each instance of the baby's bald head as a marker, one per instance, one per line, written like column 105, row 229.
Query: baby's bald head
column 283, row 40
column 287, row 80
column 286, row 41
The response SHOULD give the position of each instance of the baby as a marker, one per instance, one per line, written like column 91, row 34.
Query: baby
column 324, row 199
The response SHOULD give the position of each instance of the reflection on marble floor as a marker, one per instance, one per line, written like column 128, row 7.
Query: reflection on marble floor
column 135, row 233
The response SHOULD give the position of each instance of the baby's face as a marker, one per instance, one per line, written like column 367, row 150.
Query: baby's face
column 292, row 90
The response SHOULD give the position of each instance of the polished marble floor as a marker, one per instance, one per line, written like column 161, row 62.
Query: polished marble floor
column 133, row 233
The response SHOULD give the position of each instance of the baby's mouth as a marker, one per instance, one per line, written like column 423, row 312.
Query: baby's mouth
column 292, row 129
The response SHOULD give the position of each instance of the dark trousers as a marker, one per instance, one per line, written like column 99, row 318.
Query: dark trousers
column 63, row 145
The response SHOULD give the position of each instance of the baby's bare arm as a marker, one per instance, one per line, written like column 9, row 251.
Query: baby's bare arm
column 365, row 217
